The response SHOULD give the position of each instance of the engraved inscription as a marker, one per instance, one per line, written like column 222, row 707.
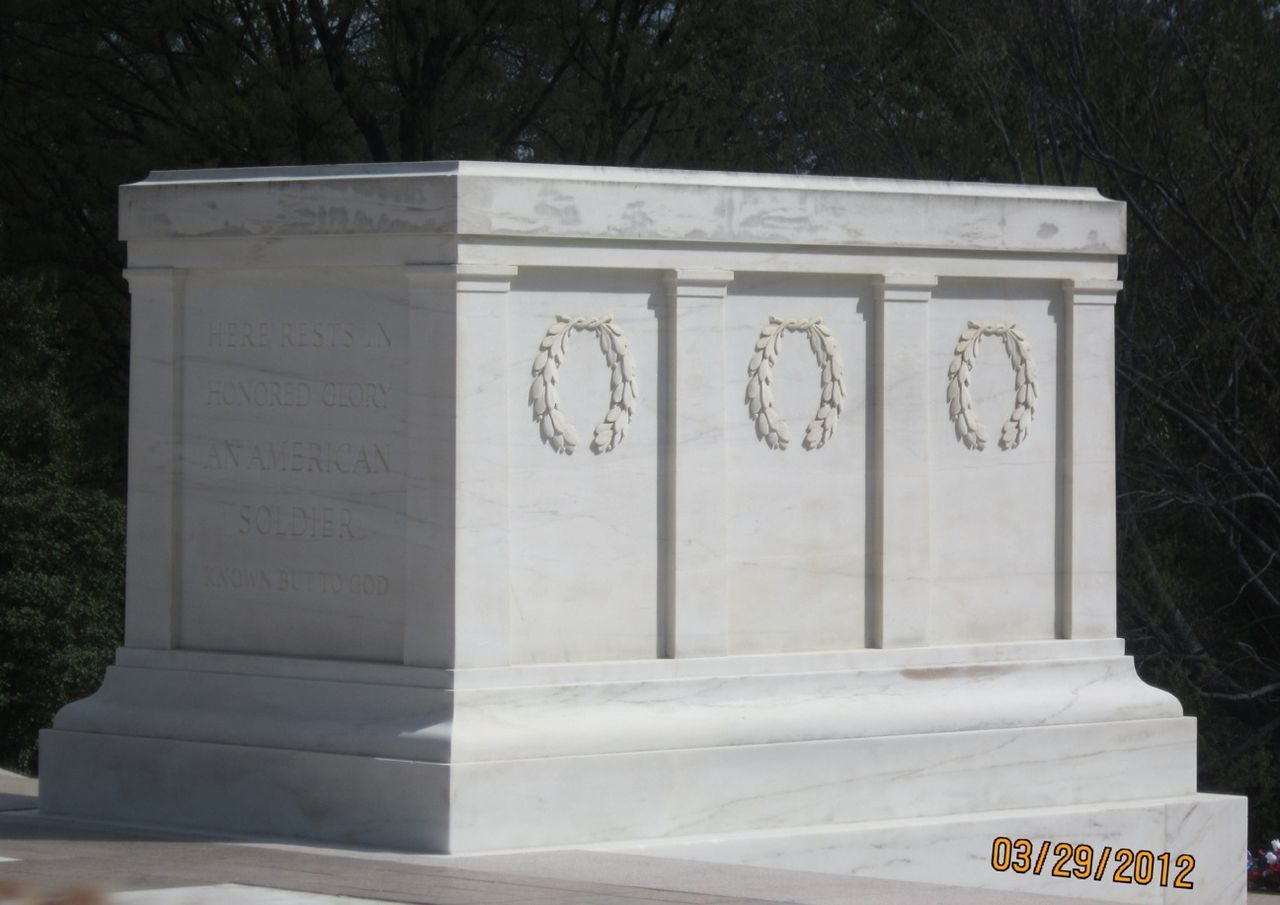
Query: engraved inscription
column 306, row 522
column 300, row 456
column 231, row 393
column 259, row 393
column 292, row 461
column 355, row 395
column 303, row 581
column 298, row 335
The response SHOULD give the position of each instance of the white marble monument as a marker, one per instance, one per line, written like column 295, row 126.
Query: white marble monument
column 758, row 519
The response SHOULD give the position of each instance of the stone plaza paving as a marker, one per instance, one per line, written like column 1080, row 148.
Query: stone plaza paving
column 63, row 861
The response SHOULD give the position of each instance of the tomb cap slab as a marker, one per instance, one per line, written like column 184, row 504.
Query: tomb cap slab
column 550, row 202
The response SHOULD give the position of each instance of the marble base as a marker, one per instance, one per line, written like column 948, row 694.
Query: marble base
column 571, row 754
column 241, row 790
column 897, row 764
column 958, row 850
column 514, row 804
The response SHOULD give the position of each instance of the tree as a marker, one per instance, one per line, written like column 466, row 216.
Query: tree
column 1173, row 108
column 61, row 551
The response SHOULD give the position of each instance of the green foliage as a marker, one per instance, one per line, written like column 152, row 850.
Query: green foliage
column 61, row 550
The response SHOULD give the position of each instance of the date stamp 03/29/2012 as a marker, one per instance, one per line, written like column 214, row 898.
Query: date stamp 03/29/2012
column 1084, row 862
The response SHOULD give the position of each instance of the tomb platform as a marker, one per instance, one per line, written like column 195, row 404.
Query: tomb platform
column 755, row 519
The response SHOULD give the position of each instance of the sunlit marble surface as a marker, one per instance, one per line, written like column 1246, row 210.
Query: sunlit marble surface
column 387, row 585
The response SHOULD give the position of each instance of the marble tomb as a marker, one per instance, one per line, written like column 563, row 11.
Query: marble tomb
column 746, row 518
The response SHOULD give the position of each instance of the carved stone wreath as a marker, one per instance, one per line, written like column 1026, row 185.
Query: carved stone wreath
column 769, row 424
column 969, row 430
column 544, row 396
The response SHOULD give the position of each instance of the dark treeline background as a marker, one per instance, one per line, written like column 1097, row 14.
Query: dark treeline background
column 1172, row 107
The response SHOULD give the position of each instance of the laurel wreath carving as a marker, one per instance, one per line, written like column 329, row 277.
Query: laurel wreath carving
column 544, row 395
column 969, row 430
column 769, row 424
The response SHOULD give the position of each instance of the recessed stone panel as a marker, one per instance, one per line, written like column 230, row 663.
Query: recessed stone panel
column 291, row 478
